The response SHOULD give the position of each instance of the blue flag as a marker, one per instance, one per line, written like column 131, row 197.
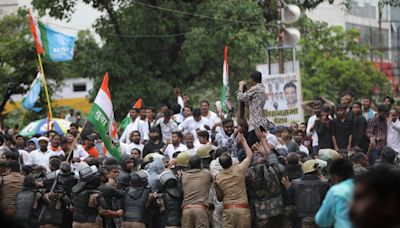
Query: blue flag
column 29, row 100
column 58, row 46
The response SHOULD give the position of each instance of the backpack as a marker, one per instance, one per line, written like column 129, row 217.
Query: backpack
column 308, row 197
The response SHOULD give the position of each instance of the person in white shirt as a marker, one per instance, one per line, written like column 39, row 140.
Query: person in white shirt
column 167, row 126
column 143, row 126
column 393, row 131
column 175, row 144
column 211, row 116
column 70, row 116
column 135, row 139
column 42, row 155
column 179, row 98
column 133, row 126
column 298, row 138
column 77, row 151
column 26, row 157
column 194, row 123
column 150, row 117
column 189, row 143
column 180, row 117
column 310, row 125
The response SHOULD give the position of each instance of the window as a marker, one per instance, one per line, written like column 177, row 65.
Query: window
column 81, row 87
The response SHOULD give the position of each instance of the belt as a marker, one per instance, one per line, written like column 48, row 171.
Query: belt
column 195, row 206
column 239, row 205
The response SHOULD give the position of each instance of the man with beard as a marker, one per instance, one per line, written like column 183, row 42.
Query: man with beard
column 377, row 133
column 311, row 132
column 154, row 144
column 211, row 116
column 367, row 110
column 227, row 137
column 376, row 199
column 298, row 138
column 135, row 139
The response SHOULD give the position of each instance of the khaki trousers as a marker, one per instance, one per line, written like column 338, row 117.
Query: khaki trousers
column 195, row 218
column 237, row 218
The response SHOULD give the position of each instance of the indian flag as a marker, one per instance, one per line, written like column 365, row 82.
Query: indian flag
column 127, row 120
column 53, row 45
column 225, row 91
column 102, row 117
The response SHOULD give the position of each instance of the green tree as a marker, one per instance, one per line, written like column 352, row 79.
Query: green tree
column 150, row 66
column 18, row 60
column 333, row 61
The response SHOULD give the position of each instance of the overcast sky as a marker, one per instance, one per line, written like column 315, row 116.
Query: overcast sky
column 83, row 18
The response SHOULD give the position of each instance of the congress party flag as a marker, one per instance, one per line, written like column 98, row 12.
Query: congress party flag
column 127, row 120
column 29, row 100
column 225, row 91
column 54, row 45
column 102, row 117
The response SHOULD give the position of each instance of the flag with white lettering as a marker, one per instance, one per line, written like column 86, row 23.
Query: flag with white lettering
column 54, row 45
column 102, row 117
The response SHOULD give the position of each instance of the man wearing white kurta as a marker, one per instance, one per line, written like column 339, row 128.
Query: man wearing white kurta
column 133, row 126
column 194, row 123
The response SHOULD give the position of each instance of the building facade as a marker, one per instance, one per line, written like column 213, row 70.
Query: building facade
column 378, row 26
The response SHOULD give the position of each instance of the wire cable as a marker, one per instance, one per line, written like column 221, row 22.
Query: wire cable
column 195, row 14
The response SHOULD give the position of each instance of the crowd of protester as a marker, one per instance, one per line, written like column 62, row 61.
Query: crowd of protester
column 191, row 167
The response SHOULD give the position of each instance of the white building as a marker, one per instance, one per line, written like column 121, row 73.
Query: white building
column 364, row 16
column 73, row 92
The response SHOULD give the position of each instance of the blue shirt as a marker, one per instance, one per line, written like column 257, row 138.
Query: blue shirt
column 334, row 210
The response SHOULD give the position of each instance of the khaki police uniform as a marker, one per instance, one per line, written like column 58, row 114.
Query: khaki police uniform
column 196, row 184
column 231, row 187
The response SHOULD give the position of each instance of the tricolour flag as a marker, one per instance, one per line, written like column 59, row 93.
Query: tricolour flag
column 225, row 91
column 29, row 100
column 54, row 45
column 102, row 116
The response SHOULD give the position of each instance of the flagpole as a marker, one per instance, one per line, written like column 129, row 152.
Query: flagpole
column 71, row 150
column 22, row 119
column 45, row 86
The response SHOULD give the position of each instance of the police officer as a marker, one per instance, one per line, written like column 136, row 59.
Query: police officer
column 68, row 180
column 127, row 165
column 51, row 214
column 27, row 203
column 204, row 152
column 136, row 200
column 231, row 189
column 196, row 184
column 87, row 200
column 111, row 194
column 182, row 162
column 171, row 202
